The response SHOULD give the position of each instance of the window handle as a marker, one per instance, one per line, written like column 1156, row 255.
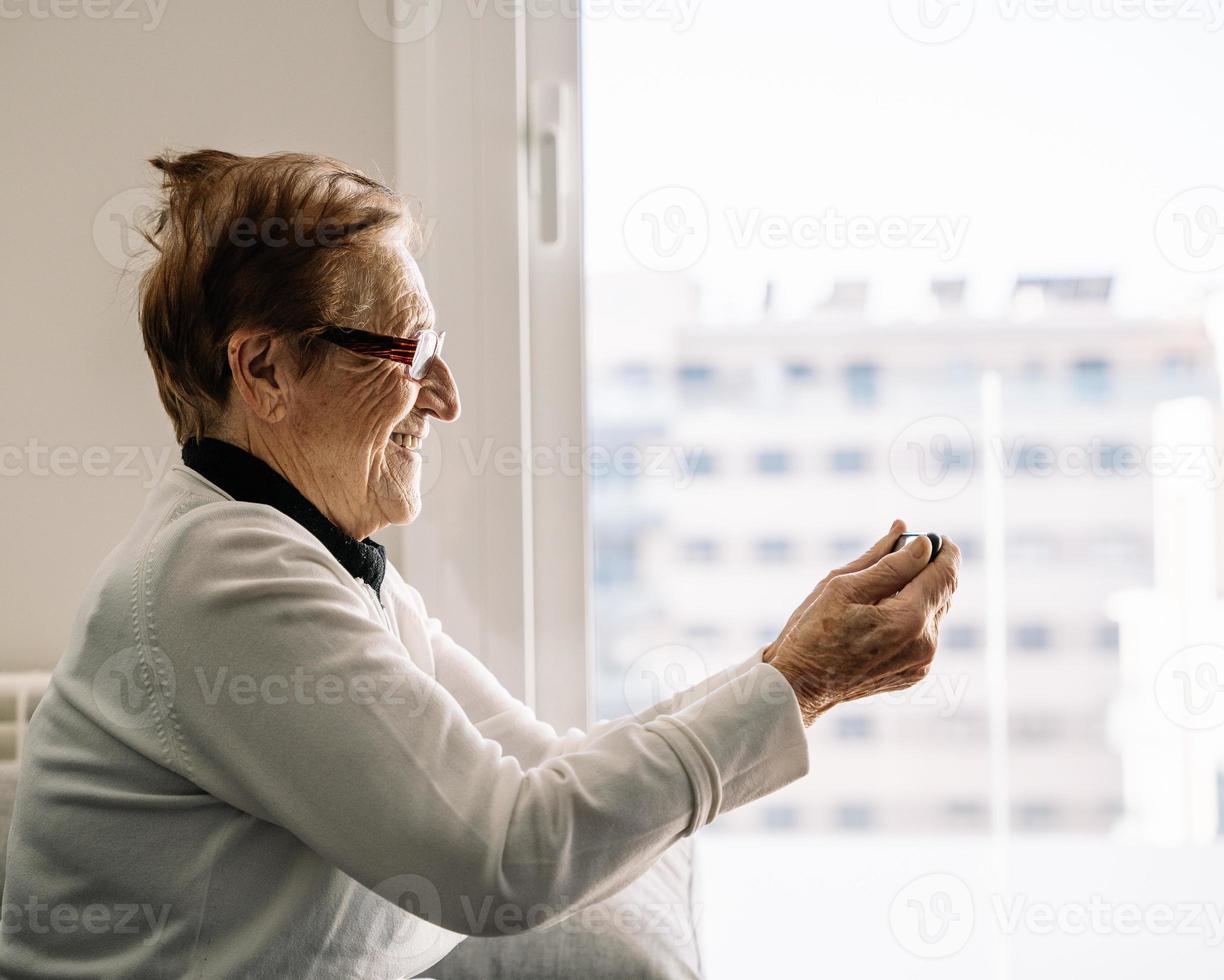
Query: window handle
column 546, row 125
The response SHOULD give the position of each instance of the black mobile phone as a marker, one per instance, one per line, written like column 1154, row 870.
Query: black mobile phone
column 936, row 542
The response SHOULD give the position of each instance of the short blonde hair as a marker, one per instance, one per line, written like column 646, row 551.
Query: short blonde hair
column 288, row 241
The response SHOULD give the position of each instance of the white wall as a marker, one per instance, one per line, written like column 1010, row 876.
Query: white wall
column 86, row 101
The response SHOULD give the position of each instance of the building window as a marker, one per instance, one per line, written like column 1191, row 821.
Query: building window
column 773, row 461
column 970, row 546
column 848, row 460
column 1090, row 379
column 855, row 816
column 861, row 383
column 799, row 372
column 853, row 727
column 1035, row 460
column 1178, row 367
column 1036, row 815
column 702, row 462
column 958, row 636
column 1029, row 547
column 774, row 551
column 695, row 375
column 1035, row 728
column 965, row 814
column 1033, row 637
column 701, row 551
column 616, row 561
column 1123, row 459
column 1119, row 548
column 635, row 375
column 781, row 817
column 844, row 549
column 702, row 634
column 1107, row 638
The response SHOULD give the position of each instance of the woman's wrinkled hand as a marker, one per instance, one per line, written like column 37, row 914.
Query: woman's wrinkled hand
column 868, row 627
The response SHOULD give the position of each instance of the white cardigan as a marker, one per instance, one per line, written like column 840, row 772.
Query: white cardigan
column 242, row 750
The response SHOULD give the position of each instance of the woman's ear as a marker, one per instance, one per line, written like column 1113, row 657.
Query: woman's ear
column 261, row 365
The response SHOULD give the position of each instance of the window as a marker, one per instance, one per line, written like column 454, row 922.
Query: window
column 701, row 551
column 861, row 383
column 1090, row 379
column 1122, row 459
column 855, row 816
column 616, row 560
column 1037, row 815
column 958, row 636
column 970, row 546
column 1107, row 638
column 967, row 814
column 781, row 817
column 1029, row 547
column 799, row 372
column 635, row 375
column 813, row 407
column 853, row 727
column 695, row 375
column 703, row 635
column 773, row 462
column 1032, row 637
column 1035, row 727
column 773, row 551
column 1036, row 460
column 848, row 460
column 702, row 462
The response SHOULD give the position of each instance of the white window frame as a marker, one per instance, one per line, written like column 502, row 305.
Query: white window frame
column 501, row 556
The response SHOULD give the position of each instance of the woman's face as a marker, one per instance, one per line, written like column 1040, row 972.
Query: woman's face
column 360, row 424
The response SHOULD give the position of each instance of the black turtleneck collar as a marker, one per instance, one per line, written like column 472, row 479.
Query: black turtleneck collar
column 246, row 477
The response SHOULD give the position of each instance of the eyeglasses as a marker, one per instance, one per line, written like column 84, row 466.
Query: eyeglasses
column 417, row 351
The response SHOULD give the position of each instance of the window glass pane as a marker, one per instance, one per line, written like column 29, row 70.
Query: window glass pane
column 851, row 329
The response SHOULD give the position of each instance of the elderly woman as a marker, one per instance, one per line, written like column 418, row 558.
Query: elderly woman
column 259, row 756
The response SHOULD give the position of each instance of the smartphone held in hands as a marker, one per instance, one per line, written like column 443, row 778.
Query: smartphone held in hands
column 936, row 542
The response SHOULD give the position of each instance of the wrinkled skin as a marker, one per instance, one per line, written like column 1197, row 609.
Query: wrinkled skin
column 868, row 627
column 328, row 431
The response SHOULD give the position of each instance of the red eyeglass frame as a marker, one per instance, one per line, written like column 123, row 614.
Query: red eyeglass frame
column 402, row 350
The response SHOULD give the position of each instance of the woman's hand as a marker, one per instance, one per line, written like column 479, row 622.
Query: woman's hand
column 868, row 627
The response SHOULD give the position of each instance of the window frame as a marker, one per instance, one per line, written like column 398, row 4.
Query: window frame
column 502, row 554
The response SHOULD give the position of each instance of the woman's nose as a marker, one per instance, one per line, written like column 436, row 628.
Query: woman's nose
column 439, row 395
